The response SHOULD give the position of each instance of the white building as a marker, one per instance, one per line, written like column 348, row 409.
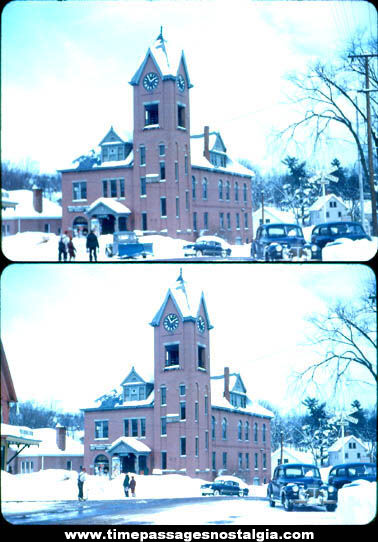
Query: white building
column 290, row 455
column 355, row 451
column 328, row 208
column 272, row 216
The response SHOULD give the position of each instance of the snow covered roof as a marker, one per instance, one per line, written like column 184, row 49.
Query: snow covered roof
column 25, row 207
column 274, row 215
column 112, row 204
column 18, row 434
column 320, row 202
column 294, row 455
column 166, row 58
column 200, row 161
column 130, row 442
column 49, row 447
column 127, row 162
column 338, row 444
column 6, row 200
column 187, row 299
column 218, row 400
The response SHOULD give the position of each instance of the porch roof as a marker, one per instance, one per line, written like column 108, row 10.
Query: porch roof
column 108, row 205
column 128, row 445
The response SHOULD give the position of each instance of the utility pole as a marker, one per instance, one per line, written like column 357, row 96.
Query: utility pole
column 370, row 145
column 360, row 181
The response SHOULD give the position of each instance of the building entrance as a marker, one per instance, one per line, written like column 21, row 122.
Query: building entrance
column 128, row 463
column 107, row 224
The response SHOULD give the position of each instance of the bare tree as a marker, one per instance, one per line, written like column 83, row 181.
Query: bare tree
column 347, row 335
column 329, row 93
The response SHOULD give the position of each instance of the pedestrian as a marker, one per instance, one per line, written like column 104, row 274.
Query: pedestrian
column 62, row 248
column 80, row 482
column 132, row 486
column 92, row 245
column 71, row 249
column 126, row 484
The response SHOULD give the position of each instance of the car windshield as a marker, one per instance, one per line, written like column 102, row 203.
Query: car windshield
column 300, row 471
column 284, row 231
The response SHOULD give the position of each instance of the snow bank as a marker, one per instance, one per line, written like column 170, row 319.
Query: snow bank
column 362, row 250
column 56, row 485
column 357, row 503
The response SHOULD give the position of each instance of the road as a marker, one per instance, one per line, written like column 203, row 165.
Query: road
column 181, row 511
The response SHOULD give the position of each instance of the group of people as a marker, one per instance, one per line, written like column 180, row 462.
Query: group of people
column 66, row 247
column 129, row 484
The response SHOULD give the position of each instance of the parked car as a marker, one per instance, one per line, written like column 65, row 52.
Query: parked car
column 300, row 484
column 127, row 245
column 224, row 487
column 208, row 246
column 322, row 234
column 280, row 242
column 347, row 473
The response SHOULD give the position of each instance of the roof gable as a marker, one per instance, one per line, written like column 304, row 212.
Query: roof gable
column 133, row 378
column 111, row 137
column 238, row 385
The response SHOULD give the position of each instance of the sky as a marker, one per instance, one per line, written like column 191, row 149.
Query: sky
column 72, row 333
column 66, row 68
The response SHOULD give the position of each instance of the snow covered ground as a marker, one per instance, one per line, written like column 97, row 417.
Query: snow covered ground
column 26, row 493
column 37, row 246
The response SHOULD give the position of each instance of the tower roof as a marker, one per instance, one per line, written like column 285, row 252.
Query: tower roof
column 187, row 299
column 167, row 60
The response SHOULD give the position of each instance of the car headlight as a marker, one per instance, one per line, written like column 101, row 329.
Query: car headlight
column 314, row 248
column 278, row 248
column 331, row 489
column 294, row 488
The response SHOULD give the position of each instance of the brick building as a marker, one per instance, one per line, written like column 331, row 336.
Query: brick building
column 164, row 181
column 185, row 420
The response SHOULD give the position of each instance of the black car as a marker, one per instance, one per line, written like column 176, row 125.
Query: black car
column 347, row 473
column 322, row 234
column 300, row 484
column 224, row 487
column 207, row 248
column 280, row 242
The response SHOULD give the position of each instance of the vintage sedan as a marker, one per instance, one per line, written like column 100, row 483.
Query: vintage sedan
column 330, row 232
column 224, row 487
column 274, row 242
column 347, row 473
column 297, row 484
column 208, row 247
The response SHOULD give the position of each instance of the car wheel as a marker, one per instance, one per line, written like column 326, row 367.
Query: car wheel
column 224, row 253
column 272, row 502
column 288, row 505
column 241, row 493
column 216, row 492
column 198, row 253
column 331, row 507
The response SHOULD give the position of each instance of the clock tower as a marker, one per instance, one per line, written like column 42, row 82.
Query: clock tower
column 162, row 169
column 182, row 404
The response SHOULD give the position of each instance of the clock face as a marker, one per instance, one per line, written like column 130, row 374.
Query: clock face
column 180, row 81
column 150, row 81
column 201, row 324
column 171, row 322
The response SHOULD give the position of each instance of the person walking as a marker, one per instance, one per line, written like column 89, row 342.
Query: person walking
column 62, row 248
column 80, row 482
column 71, row 249
column 92, row 246
column 132, row 486
column 126, row 484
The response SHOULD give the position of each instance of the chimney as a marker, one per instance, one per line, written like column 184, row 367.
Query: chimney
column 61, row 437
column 206, row 150
column 37, row 199
column 226, row 392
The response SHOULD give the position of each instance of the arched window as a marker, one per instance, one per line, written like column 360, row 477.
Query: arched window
column 213, row 427
column 255, row 432
column 236, row 188
column 224, row 429
column 240, row 428
column 194, row 187
column 204, row 188
column 220, row 189
column 246, row 431
column 101, row 464
column 227, row 190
